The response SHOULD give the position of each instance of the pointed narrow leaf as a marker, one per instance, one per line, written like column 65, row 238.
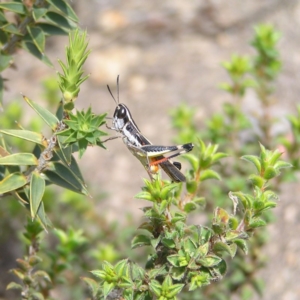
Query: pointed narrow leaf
column 22, row 197
column 37, row 189
column 92, row 284
column 1, row 91
column 58, row 20
column 11, row 28
column 63, row 176
column 23, row 159
column 31, row 48
column 75, row 169
column 145, row 196
column 5, row 61
column 65, row 151
column 12, row 182
column 46, row 115
column 25, row 135
column 65, row 8
column 50, row 29
column 38, row 13
column 107, row 288
column 13, row 6
column 38, row 37
column 41, row 216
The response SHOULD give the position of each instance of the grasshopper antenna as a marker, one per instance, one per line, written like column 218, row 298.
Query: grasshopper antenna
column 117, row 102
column 118, row 86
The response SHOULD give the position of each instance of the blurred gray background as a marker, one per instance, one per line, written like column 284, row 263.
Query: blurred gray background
column 166, row 53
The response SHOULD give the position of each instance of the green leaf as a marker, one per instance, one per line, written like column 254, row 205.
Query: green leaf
column 64, row 152
column 209, row 174
column 155, row 242
column 14, row 286
column 47, row 116
column 234, row 234
column 12, row 182
column 50, row 29
column 145, row 196
column 1, row 90
column 33, row 50
column 254, row 160
column 24, row 159
column 167, row 189
column 168, row 243
column 257, row 222
column 190, row 246
column 41, row 216
column 107, row 288
column 15, row 7
column 199, row 280
column 178, row 216
column 82, row 145
column 11, row 28
column 58, row 19
column 121, row 268
column 282, row 164
column 257, row 180
column 63, row 176
column 242, row 244
column 38, row 37
column 223, row 247
column 65, row 8
column 270, row 173
column 75, row 169
column 203, row 250
column 99, row 273
column 155, row 287
column 3, row 17
column 174, row 260
column 193, row 160
column 25, row 135
column 192, row 186
column 5, row 61
column 139, row 241
column 38, row 13
column 210, row 261
column 190, row 207
column 92, row 284
column 37, row 190
column 174, row 289
column 178, row 273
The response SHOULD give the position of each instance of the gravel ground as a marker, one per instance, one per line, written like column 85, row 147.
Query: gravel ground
column 167, row 52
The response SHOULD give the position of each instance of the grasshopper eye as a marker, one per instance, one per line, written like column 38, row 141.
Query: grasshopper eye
column 121, row 114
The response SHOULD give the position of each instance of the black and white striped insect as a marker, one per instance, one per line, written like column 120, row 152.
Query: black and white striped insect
column 151, row 156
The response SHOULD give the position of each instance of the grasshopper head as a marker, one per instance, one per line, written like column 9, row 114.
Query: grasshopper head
column 121, row 116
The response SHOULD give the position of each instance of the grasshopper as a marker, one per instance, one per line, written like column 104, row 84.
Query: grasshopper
column 151, row 156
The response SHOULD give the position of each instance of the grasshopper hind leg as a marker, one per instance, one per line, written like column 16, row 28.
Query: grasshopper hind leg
column 177, row 165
